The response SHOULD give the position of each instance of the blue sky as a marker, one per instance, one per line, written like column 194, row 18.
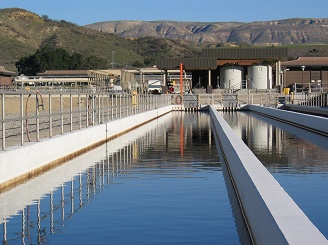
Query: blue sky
column 84, row 12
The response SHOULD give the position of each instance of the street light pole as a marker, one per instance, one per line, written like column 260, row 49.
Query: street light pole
column 303, row 68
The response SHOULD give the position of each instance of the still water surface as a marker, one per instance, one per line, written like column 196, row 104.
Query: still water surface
column 163, row 184
column 160, row 184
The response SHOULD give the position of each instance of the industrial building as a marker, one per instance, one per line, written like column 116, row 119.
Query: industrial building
column 234, row 69
column 218, row 70
column 306, row 72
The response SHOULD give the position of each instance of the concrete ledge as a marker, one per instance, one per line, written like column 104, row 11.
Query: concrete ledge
column 311, row 122
column 271, row 214
column 17, row 164
column 319, row 111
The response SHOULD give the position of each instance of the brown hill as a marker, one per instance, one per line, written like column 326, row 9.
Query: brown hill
column 22, row 33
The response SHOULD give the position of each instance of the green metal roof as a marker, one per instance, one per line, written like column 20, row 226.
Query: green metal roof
column 188, row 63
column 246, row 53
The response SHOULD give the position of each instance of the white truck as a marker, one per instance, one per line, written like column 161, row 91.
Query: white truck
column 116, row 91
column 154, row 87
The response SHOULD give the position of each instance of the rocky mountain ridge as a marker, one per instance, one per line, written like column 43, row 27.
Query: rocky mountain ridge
column 262, row 33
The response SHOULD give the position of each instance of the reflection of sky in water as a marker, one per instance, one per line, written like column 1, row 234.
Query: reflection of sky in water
column 159, row 184
column 298, row 159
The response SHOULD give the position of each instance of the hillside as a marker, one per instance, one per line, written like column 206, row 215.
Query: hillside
column 127, row 43
column 22, row 33
column 262, row 33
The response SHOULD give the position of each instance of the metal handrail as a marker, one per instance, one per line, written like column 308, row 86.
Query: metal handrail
column 52, row 113
column 308, row 99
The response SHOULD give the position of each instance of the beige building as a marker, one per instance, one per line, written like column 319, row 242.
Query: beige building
column 306, row 72
column 6, row 78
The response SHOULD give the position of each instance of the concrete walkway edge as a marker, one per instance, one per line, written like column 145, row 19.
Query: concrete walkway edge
column 272, row 216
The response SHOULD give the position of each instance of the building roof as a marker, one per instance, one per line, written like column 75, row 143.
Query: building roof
column 188, row 63
column 275, row 53
column 64, row 73
column 307, row 61
column 4, row 72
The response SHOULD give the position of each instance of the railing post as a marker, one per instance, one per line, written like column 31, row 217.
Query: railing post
column 21, row 116
column 50, row 115
column 99, row 109
column 87, row 110
column 71, row 112
column 37, row 119
column 107, row 102
column 116, row 108
column 120, row 106
column 93, row 107
column 127, row 101
column 61, row 114
column 79, row 108
column 102, row 108
column 3, row 122
column 112, row 107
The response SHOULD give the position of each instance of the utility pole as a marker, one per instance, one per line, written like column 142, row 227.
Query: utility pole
column 113, row 59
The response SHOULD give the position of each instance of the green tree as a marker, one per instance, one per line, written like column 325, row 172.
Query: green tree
column 77, row 62
column 150, row 61
column 49, row 58
column 137, row 63
column 94, row 62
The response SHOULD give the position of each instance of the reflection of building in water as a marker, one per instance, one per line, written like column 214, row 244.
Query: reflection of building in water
column 295, row 148
column 276, row 143
column 262, row 138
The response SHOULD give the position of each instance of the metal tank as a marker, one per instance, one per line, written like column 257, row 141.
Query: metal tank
column 259, row 77
column 231, row 77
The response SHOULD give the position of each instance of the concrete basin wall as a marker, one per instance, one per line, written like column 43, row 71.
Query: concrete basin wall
column 23, row 162
column 316, row 123
column 271, row 214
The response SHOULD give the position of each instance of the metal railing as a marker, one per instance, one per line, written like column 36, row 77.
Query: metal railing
column 32, row 115
column 308, row 99
column 237, row 100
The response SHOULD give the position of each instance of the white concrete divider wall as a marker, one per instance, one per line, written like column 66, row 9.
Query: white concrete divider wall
column 20, row 162
column 272, row 216
column 316, row 123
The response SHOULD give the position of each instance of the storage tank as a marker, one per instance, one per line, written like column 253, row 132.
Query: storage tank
column 259, row 77
column 231, row 77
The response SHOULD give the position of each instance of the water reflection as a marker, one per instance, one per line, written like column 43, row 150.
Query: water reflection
column 279, row 146
column 166, row 162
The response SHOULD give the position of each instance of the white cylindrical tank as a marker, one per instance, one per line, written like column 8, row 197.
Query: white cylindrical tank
column 231, row 77
column 259, row 77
